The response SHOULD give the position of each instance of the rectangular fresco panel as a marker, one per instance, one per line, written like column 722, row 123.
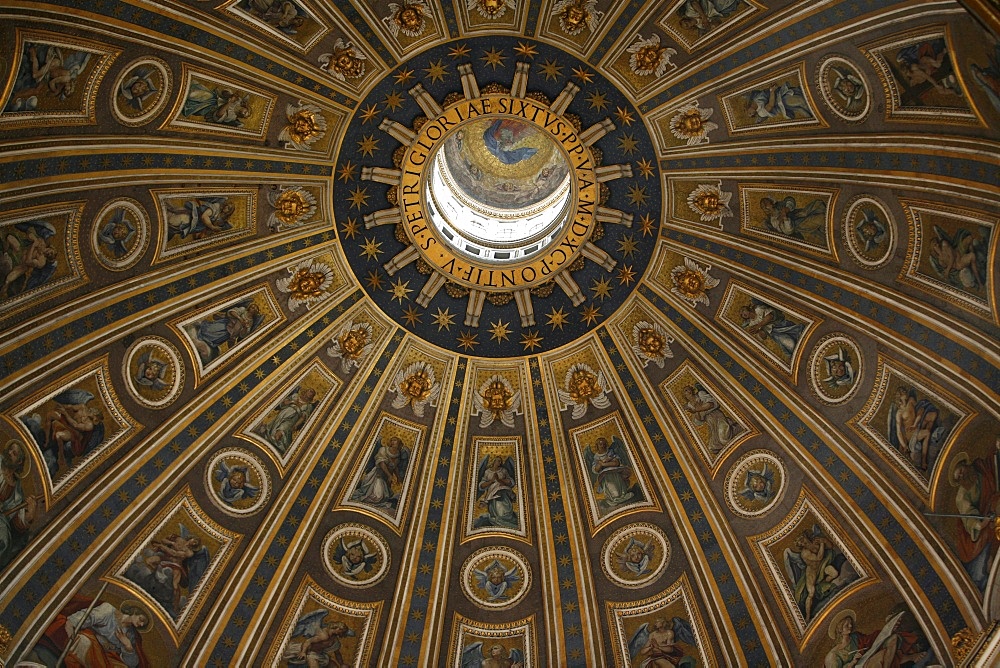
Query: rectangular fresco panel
column 952, row 255
column 800, row 218
column 210, row 104
column 292, row 22
column 694, row 23
column 495, row 503
column 778, row 101
column 199, row 219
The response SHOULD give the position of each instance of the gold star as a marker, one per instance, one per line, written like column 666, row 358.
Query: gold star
column 368, row 145
column 551, row 70
column 411, row 316
column 627, row 144
column 371, row 249
column 645, row 167
column 467, row 340
column 646, row 225
column 369, row 113
column 627, row 245
column 350, row 228
column 526, row 50
column 499, row 331
column 601, row 289
column 493, row 58
column 437, row 70
column 597, row 100
column 459, row 51
column 531, row 340
column 374, row 280
column 626, row 275
column 403, row 76
column 625, row 116
column 359, row 197
column 444, row 319
column 637, row 195
column 583, row 75
column 393, row 101
column 400, row 291
column 346, row 172
column 557, row 318
column 590, row 314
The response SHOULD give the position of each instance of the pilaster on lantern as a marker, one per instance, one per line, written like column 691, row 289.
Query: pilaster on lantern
column 524, row 307
column 426, row 102
column 519, row 87
column 475, row 308
column 391, row 216
column 605, row 215
column 398, row 131
column 401, row 259
column 470, row 87
column 565, row 281
column 431, row 288
column 390, row 177
column 612, row 172
column 596, row 131
column 563, row 100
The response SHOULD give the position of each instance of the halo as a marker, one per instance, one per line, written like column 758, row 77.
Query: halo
column 837, row 619
column 960, row 458
column 26, row 459
column 131, row 607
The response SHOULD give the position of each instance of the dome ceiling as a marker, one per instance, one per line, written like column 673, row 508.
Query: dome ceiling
column 738, row 407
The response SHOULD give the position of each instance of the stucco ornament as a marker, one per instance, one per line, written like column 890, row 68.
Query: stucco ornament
column 584, row 387
column 692, row 125
column 710, row 202
column 691, row 282
column 352, row 345
column 577, row 15
column 416, row 386
column 650, row 343
column 292, row 205
column 306, row 126
column 491, row 9
column 345, row 62
column 307, row 285
column 407, row 18
column 497, row 400
column 648, row 56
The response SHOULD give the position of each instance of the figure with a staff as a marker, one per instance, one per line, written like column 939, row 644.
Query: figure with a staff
column 17, row 510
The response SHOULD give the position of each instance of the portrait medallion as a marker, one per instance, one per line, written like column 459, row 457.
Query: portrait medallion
column 635, row 555
column 495, row 578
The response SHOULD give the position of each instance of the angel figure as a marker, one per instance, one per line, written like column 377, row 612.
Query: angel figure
column 382, row 482
column 170, row 568
column 27, row 258
column 355, row 558
column 117, row 233
column 235, row 483
column 498, row 493
column 491, row 9
column 320, row 646
column 70, row 428
column 584, row 386
column 960, row 259
column 782, row 102
column 46, row 70
column 758, row 484
column 139, row 87
column 705, row 409
column 915, row 426
column 848, row 87
column 577, row 15
column 648, row 56
column 407, row 18
column 656, row 646
column 477, row 655
column 220, row 331
column 870, row 230
column 636, row 556
column 152, row 371
column 611, row 471
column 497, row 400
column 345, row 62
column 416, row 386
column 496, row 579
column 839, row 370
column 223, row 106
column 816, row 569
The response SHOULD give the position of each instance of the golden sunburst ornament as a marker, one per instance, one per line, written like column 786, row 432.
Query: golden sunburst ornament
column 416, row 386
column 650, row 343
column 692, row 125
column 691, row 282
column 710, row 202
column 307, row 285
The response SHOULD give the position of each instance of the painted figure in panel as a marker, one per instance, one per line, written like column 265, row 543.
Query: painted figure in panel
column 704, row 409
column 479, row 655
column 496, row 579
column 382, row 482
column 839, row 369
column 612, row 473
column 887, row 647
column 320, row 645
column 961, row 258
column 914, row 426
column 71, row 427
column 355, row 558
column 988, row 77
column 17, row 509
column 769, row 323
column 289, row 416
column 170, row 567
column 27, row 258
column 220, row 331
column 758, row 485
column 926, row 68
column 636, row 556
column 658, row 644
column 219, row 105
column 106, row 636
column 235, row 483
column 816, row 569
column 117, row 234
column 152, row 371
column 782, row 101
column 197, row 218
column 787, row 218
column 497, row 485
column 47, row 77
column 704, row 16
column 870, row 230
column 284, row 15
column 977, row 497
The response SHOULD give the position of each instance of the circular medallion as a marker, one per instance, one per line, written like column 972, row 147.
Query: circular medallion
column 355, row 555
column 869, row 232
column 835, row 369
column 497, row 202
column 495, row 578
column 844, row 89
column 635, row 555
column 120, row 234
column 154, row 373
column 238, row 481
column 754, row 483
column 141, row 91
